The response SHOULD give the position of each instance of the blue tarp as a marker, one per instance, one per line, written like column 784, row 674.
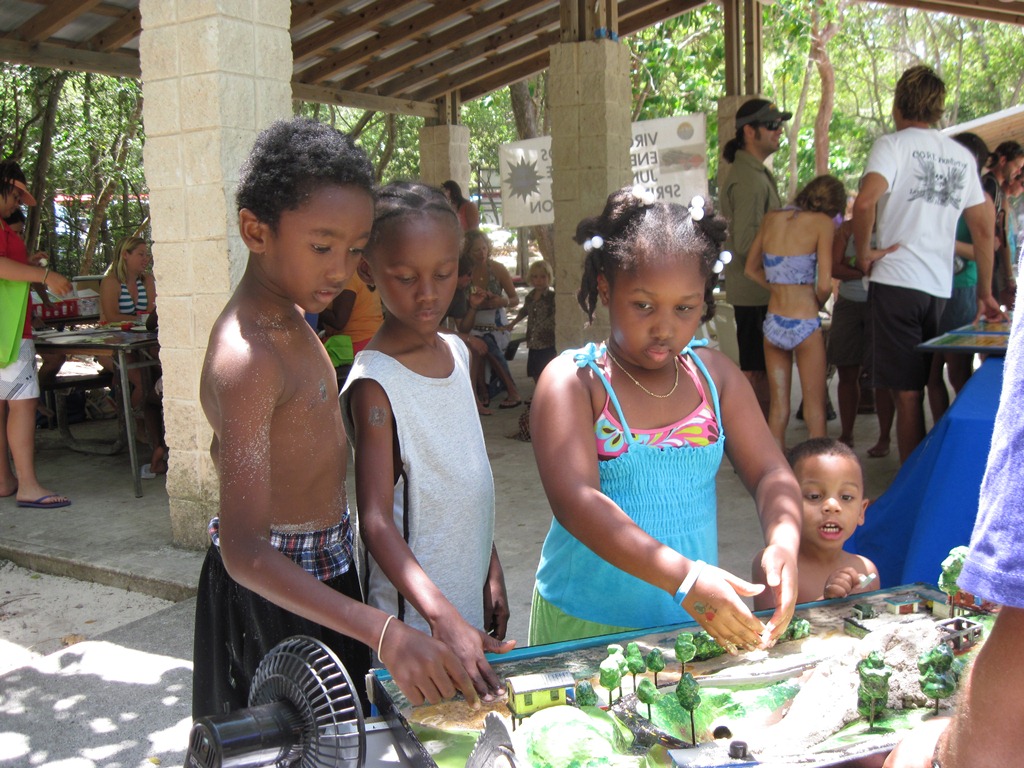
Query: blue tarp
column 931, row 505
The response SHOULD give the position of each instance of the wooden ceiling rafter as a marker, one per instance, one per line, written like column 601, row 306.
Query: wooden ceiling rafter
column 391, row 55
column 448, row 45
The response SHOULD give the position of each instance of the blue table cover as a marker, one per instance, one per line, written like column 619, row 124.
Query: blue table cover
column 933, row 500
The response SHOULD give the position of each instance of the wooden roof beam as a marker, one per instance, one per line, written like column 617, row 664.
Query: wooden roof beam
column 385, row 38
column 491, row 68
column 123, row 64
column 445, row 44
column 326, row 95
column 53, row 18
column 541, row 23
column 519, row 70
column 345, row 27
column 118, row 34
column 635, row 15
column 1004, row 13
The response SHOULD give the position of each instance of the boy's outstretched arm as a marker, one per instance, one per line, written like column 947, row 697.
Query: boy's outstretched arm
column 242, row 387
column 375, row 465
column 496, row 608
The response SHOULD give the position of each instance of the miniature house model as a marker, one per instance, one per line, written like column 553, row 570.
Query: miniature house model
column 902, row 606
column 529, row 693
column 960, row 633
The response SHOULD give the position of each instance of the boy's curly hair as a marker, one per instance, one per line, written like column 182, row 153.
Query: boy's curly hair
column 633, row 231
column 293, row 158
column 823, row 194
column 400, row 199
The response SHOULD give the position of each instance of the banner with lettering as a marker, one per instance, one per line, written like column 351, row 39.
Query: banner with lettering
column 668, row 156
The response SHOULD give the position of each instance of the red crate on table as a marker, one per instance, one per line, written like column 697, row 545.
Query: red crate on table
column 59, row 309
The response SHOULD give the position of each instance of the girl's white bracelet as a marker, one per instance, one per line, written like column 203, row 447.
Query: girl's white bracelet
column 380, row 642
column 688, row 582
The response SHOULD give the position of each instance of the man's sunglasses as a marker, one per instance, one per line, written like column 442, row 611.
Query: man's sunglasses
column 771, row 125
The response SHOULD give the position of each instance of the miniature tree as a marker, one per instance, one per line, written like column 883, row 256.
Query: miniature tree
column 938, row 678
column 797, row 630
column 586, row 696
column 685, row 650
column 647, row 693
column 951, row 568
column 655, row 662
column 707, row 646
column 635, row 663
column 610, row 676
column 615, row 652
column 873, row 693
column 688, row 695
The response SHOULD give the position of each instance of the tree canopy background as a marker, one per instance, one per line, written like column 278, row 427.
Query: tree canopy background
column 833, row 63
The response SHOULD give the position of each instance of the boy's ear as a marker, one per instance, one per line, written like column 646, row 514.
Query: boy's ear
column 863, row 509
column 253, row 231
column 363, row 270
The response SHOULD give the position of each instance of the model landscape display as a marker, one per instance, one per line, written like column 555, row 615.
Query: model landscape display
column 820, row 696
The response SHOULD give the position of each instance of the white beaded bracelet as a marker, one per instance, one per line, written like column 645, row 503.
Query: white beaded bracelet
column 380, row 642
column 688, row 582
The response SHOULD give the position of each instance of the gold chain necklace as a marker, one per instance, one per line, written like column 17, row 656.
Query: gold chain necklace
column 675, row 384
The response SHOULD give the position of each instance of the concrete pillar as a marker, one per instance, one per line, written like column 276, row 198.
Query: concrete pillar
column 444, row 154
column 214, row 73
column 589, row 102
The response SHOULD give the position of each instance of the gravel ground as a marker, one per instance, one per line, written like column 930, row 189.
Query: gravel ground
column 40, row 614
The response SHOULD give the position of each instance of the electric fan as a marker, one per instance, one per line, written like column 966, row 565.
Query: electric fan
column 303, row 711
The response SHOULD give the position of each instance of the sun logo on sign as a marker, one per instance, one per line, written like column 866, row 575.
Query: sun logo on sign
column 523, row 178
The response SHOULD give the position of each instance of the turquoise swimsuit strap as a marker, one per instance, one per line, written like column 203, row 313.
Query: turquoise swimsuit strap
column 591, row 362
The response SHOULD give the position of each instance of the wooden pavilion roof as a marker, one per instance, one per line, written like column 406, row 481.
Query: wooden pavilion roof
column 392, row 55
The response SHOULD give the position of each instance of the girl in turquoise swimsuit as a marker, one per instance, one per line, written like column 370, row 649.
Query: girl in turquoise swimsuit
column 630, row 433
column 792, row 257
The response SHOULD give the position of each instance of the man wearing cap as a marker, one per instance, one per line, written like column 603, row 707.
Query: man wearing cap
column 916, row 184
column 749, row 192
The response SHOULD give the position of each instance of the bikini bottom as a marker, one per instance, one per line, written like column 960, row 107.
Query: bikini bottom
column 787, row 333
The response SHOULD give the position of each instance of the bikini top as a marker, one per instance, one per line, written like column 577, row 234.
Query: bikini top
column 791, row 270
column 696, row 429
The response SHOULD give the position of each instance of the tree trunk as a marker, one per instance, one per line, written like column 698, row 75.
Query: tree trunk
column 56, row 86
column 820, row 37
column 106, row 186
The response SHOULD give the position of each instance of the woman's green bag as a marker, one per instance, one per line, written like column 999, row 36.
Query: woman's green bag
column 13, row 306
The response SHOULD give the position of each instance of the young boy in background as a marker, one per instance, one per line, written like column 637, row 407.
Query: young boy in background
column 832, row 485
column 280, row 560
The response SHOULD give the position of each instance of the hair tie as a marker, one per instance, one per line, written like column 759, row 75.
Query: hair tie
column 697, row 208
column 643, row 194
column 594, row 243
column 723, row 258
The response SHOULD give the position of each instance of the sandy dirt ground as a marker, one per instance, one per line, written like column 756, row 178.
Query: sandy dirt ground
column 40, row 614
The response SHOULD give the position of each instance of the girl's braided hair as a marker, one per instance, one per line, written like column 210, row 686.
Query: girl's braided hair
column 400, row 199
column 630, row 231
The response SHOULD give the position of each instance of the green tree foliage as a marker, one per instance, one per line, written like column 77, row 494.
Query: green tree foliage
column 685, row 649
column 610, row 675
column 655, row 662
column 938, row 678
column 647, row 693
column 586, row 696
column 951, row 568
column 688, row 696
column 635, row 663
column 873, row 692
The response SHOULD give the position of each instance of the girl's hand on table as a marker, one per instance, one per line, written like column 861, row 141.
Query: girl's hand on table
column 714, row 601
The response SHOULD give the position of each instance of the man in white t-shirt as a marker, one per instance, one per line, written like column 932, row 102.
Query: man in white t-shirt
column 916, row 184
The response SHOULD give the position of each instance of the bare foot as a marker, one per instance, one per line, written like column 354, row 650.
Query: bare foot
column 9, row 489
column 878, row 450
column 847, row 439
column 483, row 411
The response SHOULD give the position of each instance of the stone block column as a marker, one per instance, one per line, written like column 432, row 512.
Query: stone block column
column 214, row 73
column 590, row 101
column 444, row 154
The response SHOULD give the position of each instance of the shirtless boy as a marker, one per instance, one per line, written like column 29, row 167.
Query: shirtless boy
column 832, row 484
column 280, row 561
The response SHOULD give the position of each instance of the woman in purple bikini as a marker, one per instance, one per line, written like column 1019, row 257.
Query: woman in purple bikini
column 792, row 257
